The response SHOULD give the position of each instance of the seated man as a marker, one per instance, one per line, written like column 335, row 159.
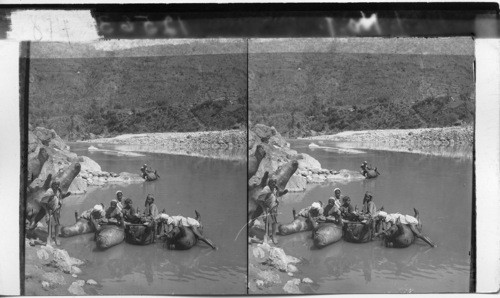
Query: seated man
column 365, row 168
column 113, row 213
column 182, row 222
column 97, row 213
column 347, row 210
column 394, row 219
column 128, row 212
column 96, row 216
column 337, row 197
column 119, row 196
column 315, row 211
column 331, row 212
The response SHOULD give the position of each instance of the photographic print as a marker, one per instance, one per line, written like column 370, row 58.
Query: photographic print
column 136, row 167
column 360, row 165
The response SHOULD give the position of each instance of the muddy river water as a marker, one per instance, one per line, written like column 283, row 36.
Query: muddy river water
column 439, row 187
column 216, row 188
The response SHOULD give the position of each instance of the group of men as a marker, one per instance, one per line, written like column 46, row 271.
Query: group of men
column 337, row 212
column 339, row 209
column 122, row 210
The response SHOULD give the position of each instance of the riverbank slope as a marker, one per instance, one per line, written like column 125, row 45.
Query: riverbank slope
column 430, row 141
column 225, row 144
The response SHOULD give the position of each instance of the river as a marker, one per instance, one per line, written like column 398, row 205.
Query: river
column 214, row 187
column 439, row 187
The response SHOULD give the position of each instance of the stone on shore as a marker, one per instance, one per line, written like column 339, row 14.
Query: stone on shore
column 297, row 183
column 76, row 288
column 292, row 286
column 89, row 165
column 78, row 186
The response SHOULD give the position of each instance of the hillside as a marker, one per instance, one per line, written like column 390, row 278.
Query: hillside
column 326, row 92
column 81, row 97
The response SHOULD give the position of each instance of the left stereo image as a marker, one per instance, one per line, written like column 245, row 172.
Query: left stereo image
column 135, row 167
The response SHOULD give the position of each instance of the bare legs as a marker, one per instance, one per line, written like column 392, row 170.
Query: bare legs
column 417, row 234
column 200, row 236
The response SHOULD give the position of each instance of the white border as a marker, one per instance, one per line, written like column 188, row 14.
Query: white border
column 487, row 164
column 10, row 165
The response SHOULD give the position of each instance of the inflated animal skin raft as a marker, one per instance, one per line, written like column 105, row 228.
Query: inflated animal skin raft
column 182, row 239
column 139, row 234
column 357, row 232
column 403, row 237
column 298, row 225
column 82, row 226
column 110, row 235
column 326, row 234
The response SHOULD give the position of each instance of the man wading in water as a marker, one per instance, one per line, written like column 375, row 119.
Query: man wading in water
column 369, row 211
column 150, row 214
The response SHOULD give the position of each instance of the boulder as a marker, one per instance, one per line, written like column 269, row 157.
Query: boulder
column 297, row 183
column 308, row 162
column 76, row 288
column 292, row 286
column 33, row 142
column 78, row 186
column 89, row 165
column 263, row 132
column 269, row 277
column 54, row 278
column 276, row 257
column 49, row 138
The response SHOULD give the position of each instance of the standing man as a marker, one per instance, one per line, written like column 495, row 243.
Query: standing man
column 268, row 200
column 119, row 196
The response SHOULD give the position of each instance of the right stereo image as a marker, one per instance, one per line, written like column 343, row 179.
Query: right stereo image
column 360, row 165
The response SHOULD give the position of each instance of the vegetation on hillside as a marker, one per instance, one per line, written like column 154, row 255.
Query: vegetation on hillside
column 304, row 93
column 83, row 97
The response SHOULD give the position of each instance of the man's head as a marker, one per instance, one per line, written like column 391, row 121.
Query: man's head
column 128, row 202
column 346, row 200
column 119, row 195
column 149, row 199
column 336, row 192
column 331, row 201
column 368, row 196
column 96, row 211
column 113, row 203
column 315, row 209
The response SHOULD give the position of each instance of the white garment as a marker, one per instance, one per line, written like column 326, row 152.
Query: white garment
column 404, row 219
column 179, row 220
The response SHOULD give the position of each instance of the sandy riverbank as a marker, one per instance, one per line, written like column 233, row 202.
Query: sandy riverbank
column 211, row 144
column 445, row 141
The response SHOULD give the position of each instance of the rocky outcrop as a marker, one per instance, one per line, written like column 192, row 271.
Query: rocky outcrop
column 271, row 268
column 278, row 152
column 51, row 271
column 42, row 141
